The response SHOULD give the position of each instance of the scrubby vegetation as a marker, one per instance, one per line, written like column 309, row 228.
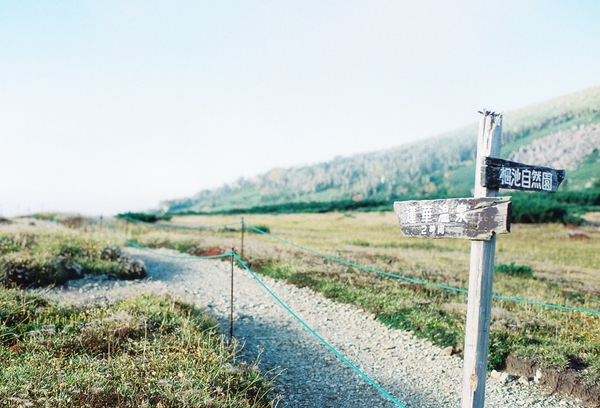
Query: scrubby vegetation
column 531, row 208
column 151, row 351
column 301, row 207
column 54, row 257
column 563, row 206
column 258, row 228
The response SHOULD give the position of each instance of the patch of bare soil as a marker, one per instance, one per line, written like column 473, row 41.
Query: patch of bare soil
column 565, row 382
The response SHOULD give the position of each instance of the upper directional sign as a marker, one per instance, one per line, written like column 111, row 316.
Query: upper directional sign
column 467, row 218
column 500, row 173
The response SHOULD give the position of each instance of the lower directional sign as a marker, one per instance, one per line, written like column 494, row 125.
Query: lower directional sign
column 466, row 218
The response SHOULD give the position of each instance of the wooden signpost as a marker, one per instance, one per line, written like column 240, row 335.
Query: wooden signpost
column 478, row 219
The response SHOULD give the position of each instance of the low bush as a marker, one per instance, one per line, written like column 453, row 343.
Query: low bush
column 45, row 216
column 522, row 271
column 145, row 217
column 40, row 260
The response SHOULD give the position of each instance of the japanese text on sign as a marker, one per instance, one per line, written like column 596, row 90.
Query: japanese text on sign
column 526, row 178
column 467, row 218
column 432, row 221
column 499, row 173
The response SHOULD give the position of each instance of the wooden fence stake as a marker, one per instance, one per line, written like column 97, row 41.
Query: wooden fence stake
column 481, row 275
column 243, row 237
column 231, row 299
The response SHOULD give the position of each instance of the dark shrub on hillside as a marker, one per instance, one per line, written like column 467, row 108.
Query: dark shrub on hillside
column 145, row 217
column 580, row 197
column 535, row 209
column 512, row 269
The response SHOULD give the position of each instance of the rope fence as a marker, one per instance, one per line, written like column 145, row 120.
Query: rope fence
column 234, row 257
column 315, row 334
column 426, row 283
column 389, row 274
column 245, row 267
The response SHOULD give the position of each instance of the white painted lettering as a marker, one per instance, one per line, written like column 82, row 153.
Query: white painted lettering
column 547, row 181
column 427, row 213
column 461, row 211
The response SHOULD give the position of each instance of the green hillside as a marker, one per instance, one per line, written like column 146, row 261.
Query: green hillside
column 438, row 167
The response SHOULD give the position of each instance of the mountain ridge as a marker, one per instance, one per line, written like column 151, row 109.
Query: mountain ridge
column 435, row 167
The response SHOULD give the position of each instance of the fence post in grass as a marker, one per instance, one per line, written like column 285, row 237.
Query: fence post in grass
column 481, row 275
column 243, row 227
column 231, row 299
column 101, row 219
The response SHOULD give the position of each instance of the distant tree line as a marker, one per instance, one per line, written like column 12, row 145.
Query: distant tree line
column 562, row 207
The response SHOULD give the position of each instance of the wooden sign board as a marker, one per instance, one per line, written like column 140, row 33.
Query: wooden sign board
column 500, row 173
column 466, row 218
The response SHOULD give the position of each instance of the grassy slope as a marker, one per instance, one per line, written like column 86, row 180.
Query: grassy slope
column 455, row 174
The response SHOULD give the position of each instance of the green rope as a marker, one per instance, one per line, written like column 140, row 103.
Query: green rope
column 355, row 265
column 422, row 282
column 315, row 334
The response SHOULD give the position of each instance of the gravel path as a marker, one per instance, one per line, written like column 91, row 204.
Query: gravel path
column 412, row 370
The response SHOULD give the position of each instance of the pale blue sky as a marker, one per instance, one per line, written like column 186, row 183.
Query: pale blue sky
column 111, row 106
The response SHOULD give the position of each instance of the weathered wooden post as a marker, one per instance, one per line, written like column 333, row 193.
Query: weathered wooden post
column 243, row 228
column 231, row 299
column 481, row 276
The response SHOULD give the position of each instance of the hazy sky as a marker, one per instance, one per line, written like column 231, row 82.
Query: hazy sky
column 110, row 106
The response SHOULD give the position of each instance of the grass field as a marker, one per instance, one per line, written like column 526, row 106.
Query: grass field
column 564, row 272
column 149, row 351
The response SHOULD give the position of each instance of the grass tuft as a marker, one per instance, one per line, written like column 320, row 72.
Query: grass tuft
column 149, row 351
